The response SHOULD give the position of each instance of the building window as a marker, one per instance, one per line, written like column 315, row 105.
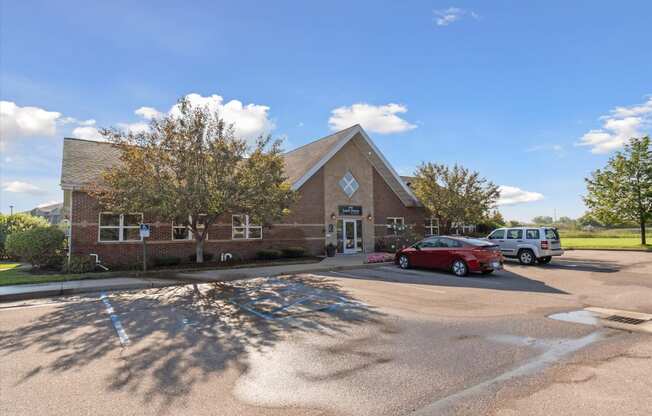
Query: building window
column 459, row 228
column 395, row 224
column 348, row 184
column 182, row 232
column 120, row 227
column 242, row 229
column 431, row 226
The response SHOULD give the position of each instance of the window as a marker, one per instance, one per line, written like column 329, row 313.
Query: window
column 449, row 243
column 394, row 224
column 182, row 232
column 431, row 226
column 497, row 235
column 514, row 234
column 348, row 184
column 551, row 234
column 120, row 227
column 241, row 229
column 532, row 234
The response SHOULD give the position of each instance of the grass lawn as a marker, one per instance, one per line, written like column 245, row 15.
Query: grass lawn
column 604, row 242
column 10, row 274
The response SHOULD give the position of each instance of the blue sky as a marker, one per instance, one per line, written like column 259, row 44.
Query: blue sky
column 534, row 95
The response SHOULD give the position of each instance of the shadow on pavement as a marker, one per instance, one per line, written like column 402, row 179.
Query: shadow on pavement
column 502, row 280
column 581, row 265
column 183, row 335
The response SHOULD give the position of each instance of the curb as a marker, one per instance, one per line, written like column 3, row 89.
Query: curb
column 74, row 288
column 640, row 250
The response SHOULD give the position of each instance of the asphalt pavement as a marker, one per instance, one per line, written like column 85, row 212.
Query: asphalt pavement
column 368, row 341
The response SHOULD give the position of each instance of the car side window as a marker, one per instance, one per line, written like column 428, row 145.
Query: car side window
column 532, row 234
column 428, row 243
column 514, row 234
column 497, row 235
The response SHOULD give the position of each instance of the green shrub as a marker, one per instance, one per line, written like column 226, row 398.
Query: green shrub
column 79, row 264
column 10, row 224
column 207, row 257
column 166, row 261
column 42, row 247
column 268, row 254
column 293, row 252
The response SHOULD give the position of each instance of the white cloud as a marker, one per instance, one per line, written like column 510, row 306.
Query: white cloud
column 86, row 133
column 138, row 127
column 148, row 113
column 444, row 17
column 382, row 119
column 510, row 195
column 21, row 187
column 16, row 121
column 619, row 127
column 250, row 121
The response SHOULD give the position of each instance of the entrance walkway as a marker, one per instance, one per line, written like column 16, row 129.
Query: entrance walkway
column 339, row 262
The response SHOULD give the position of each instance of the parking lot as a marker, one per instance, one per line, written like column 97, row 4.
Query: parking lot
column 368, row 341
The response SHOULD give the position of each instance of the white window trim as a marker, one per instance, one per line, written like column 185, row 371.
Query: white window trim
column 351, row 185
column 120, row 227
column 430, row 229
column 245, row 229
column 395, row 222
column 191, row 235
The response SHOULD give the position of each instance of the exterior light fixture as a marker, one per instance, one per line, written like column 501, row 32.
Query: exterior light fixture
column 369, row 218
column 332, row 216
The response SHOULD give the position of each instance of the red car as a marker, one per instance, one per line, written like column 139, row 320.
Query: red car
column 458, row 254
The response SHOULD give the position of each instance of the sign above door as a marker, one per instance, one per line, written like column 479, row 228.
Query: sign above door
column 351, row 210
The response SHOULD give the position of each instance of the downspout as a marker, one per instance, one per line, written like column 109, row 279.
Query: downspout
column 70, row 229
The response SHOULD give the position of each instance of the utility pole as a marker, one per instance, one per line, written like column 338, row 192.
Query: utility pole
column 11, row 209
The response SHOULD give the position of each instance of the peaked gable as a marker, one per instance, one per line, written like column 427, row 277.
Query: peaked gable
column 305, row 161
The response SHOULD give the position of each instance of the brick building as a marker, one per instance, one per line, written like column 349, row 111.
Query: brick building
column 348, row 195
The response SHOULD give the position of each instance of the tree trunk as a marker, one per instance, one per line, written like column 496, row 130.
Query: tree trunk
column 643, row 241
column 200, row 251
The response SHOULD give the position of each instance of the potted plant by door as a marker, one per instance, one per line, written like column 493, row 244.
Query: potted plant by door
column 330, row 250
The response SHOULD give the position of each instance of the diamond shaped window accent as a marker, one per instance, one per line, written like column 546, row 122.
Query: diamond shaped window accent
column 348, row 184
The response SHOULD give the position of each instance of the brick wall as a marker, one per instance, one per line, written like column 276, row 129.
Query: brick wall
column 303, row 227
column 387, row 204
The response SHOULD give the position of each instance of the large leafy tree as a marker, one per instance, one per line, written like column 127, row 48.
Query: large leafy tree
column 190, row 168
column 622, row 191
column 542, row 220
column 454, row 195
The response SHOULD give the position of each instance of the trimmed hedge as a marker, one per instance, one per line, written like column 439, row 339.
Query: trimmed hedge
column 269, row 254
column 293, row 252
column 207, row 257
column 79, row 264
column 166, row 261
column 42, row 246
column 10, row 224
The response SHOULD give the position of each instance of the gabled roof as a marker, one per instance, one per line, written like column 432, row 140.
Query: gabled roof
column 85, row 160
column 303, row 162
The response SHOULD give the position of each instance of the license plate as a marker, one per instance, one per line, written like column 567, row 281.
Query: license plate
column 496, row 265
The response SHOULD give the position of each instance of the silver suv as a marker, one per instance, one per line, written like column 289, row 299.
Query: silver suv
column 528, row 244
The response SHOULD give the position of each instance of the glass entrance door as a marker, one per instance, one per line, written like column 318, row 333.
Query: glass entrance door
column 352, row 242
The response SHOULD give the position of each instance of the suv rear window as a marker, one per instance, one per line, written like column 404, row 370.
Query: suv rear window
column 552, row 234
column 532, row 234
column 514, row 234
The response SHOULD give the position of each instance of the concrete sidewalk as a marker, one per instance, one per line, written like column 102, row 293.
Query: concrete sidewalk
column 341, row 262
column 44, row 290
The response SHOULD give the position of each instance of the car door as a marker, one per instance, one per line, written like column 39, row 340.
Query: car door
column 421, row 257
column 513, row 240
column 446, row 252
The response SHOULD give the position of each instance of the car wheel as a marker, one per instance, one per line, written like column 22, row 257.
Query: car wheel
column 526, row 257
column 545, row 260
column 487, row 271
column 404, row 262
column 459, row 268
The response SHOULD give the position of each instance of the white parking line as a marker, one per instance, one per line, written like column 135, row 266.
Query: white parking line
column 124, row 339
